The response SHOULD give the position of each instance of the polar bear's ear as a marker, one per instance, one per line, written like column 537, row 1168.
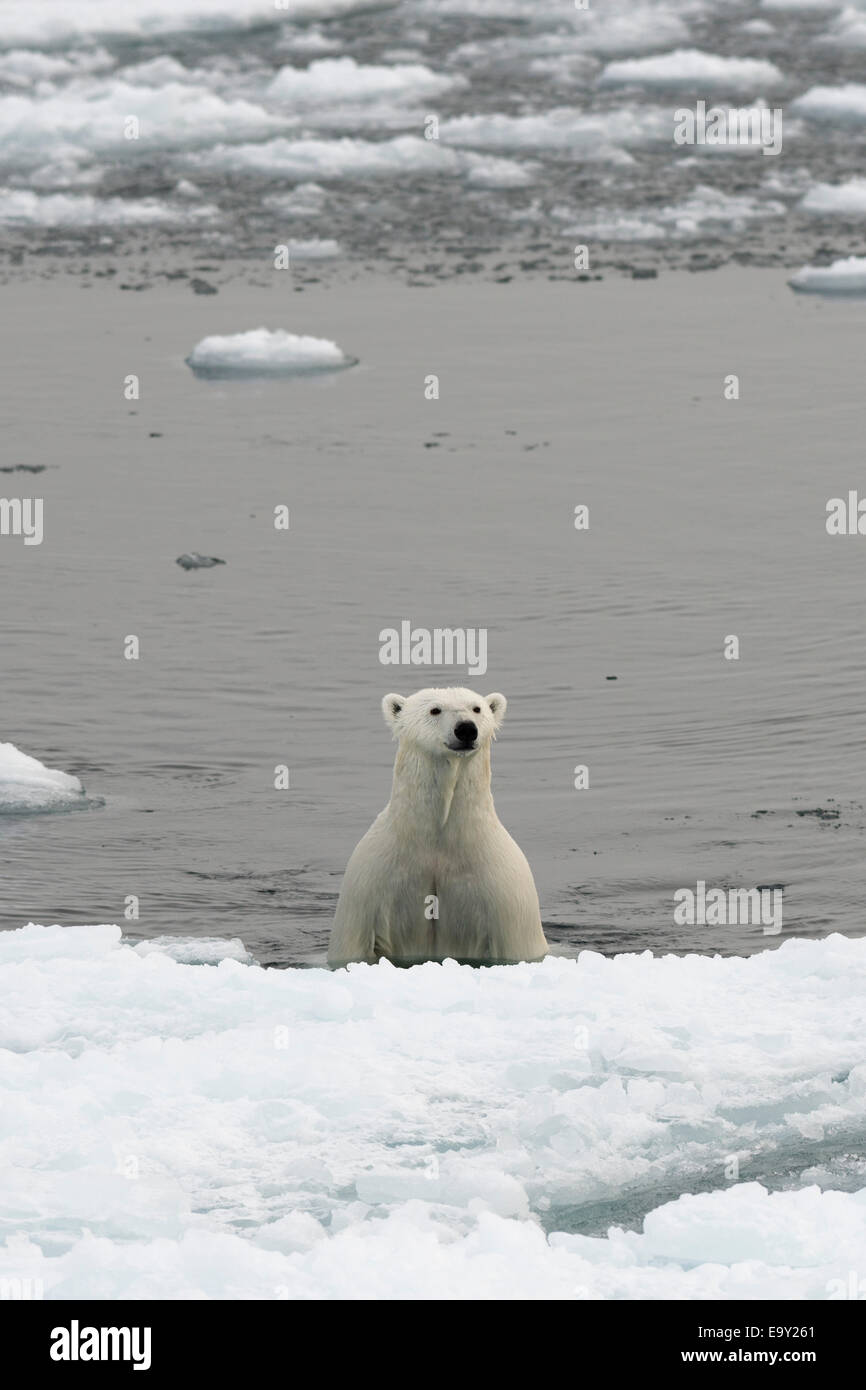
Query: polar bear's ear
column 391, row 707
column 497, row 704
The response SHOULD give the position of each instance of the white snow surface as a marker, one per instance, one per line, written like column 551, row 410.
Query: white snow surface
column 842, row 277
column 176, row 1130
column 26, row 784
column 265, row 352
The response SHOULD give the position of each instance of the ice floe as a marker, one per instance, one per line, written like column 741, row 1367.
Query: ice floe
column 263, row 352
column 842, row 277
column 688, row 67
column 91, row 117
column 336, row 81
column 353, row 159
column 845, row 105
column 590, row 136
column 836, row 199
column 23, row 67
column 59, row 21
column 198, row 950
column 603, row 35
column 20, row 206
column 26, row 784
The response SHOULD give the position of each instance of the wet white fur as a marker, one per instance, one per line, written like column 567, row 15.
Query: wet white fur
column 439, row 836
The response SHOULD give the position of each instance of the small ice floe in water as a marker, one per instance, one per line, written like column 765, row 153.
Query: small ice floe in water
column 191, row 560
column 27, row 785
column 842, row 277
column 261, row 352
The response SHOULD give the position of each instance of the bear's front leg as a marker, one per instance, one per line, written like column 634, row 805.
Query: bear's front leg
column 353, row 935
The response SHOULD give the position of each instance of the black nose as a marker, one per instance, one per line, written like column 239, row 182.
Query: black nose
column 466, row 731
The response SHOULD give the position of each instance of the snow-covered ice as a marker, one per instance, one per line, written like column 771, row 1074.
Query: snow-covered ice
column 842, row 277
column 688, row 67
column 590, row 136
column 836, row 199
column 26, row 784
column 196, row 950
column 358, row 160
column 177, row 1130
column 58, row 21
column 90, row 116
column 761, row 27
column 335, row 81
column 602, row 34
column 845, row 105
column 20, row 206
column 265, row 352
column 24, row 67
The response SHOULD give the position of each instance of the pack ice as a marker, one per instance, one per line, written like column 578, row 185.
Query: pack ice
column 635, row 1127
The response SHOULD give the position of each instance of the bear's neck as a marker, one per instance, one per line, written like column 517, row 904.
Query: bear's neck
column 429, row 792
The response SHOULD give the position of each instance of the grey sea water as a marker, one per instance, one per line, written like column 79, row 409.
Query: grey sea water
column 707, row 519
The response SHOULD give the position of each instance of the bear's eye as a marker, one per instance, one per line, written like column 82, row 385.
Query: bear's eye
column 476, row 709
column 436, row 710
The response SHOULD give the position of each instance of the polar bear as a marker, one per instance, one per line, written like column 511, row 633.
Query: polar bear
column 437, row 874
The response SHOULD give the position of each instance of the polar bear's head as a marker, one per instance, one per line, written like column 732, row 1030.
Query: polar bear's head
column 453, row 722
